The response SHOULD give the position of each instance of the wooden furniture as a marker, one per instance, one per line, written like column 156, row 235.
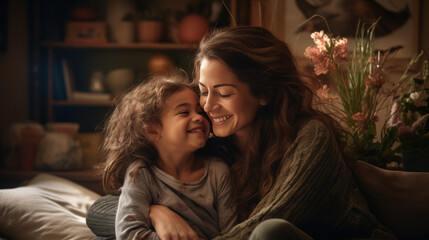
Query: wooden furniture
column 83, row 59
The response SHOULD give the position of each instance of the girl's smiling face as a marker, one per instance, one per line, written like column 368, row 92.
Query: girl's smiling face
column 228, row 102
column 184, row 128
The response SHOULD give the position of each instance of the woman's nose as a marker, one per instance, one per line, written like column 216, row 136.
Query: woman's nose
column 207, row 103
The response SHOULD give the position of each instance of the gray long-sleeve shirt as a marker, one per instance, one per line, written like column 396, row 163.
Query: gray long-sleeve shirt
column 205, row 204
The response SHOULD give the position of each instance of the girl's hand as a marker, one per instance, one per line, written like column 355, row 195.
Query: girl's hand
column 170, row 226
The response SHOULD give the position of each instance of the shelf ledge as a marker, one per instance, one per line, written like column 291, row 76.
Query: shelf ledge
column 167, row 46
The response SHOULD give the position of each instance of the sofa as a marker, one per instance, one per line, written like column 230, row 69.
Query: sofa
column 399, row 199
column 51, row 207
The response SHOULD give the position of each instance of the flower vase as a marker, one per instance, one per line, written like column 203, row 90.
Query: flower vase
column 149, row 31
column 415, row 161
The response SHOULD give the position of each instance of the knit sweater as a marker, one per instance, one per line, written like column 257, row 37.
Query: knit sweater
column 315, row 191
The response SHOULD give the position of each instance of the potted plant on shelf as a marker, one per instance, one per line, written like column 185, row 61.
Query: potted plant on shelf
column 124, row 30
column 149, row 22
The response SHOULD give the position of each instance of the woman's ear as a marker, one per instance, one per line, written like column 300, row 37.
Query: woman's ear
column 152, row 132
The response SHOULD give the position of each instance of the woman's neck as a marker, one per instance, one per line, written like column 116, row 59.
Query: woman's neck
column 241, row 141
column 185, row 167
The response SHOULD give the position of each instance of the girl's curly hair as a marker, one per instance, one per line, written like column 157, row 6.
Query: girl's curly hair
column 124, row 139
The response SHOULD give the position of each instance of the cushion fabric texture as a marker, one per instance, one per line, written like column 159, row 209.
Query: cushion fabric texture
column 48, row 207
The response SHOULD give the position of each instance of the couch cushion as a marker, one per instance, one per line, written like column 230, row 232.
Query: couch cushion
column 49, row 207
column 399, row 199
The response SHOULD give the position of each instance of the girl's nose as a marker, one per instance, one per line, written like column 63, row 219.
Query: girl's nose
column 197, row 117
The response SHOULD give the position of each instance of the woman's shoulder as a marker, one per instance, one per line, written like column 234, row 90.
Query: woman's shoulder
column 314, row 128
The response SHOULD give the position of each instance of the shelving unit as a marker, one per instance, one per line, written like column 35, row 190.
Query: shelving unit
column 47, row 32
column 80, row 52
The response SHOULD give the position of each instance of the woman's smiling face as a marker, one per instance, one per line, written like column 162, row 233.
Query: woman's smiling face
column 228, row 102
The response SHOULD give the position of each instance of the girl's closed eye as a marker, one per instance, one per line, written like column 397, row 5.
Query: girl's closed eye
column 183, row 113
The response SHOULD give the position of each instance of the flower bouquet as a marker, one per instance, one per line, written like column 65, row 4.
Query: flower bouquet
column 363, row 90
column 410, row 118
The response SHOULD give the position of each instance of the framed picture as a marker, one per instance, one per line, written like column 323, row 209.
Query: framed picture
column 398, row 24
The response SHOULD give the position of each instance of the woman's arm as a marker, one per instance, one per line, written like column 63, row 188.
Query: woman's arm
column 310, row 180
column 169, row 225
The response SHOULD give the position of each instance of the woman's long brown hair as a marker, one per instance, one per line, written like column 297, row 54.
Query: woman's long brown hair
column 266, row 64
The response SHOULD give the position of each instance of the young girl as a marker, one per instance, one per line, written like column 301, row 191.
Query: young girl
column 150, row 143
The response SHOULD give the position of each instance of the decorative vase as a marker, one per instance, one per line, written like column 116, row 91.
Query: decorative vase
column 123, row 33
column 415, row 162
column 116, row 11
column 160, row 64
column 149, row 31
column 192, row 28
column 119, row 80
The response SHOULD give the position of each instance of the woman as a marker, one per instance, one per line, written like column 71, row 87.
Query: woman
column 286, row 159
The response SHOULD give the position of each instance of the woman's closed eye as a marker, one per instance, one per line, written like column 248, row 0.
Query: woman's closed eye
column 224, row 95
column 205, row 94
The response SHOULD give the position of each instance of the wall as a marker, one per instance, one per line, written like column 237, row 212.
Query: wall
column 424, row 26
column 14, row 72
column 14, row 67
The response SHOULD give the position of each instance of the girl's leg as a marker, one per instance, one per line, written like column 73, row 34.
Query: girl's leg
column 278, row 229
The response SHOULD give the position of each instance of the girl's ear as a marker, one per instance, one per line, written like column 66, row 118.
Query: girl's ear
column 152, row 132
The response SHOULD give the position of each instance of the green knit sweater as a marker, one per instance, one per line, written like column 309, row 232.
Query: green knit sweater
column 315, row 191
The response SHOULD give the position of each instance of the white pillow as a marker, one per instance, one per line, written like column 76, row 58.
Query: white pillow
column 48, row 207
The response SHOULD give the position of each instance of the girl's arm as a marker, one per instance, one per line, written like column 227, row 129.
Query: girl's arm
column 310, row 180
column 169, row 225
column 132, row 218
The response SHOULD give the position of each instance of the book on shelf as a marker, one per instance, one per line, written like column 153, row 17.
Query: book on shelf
column 73, row 95
column 58, row 87
column 68, row 78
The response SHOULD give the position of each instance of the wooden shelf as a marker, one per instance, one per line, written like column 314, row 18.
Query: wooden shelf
column 83, row 103
column 158, row 46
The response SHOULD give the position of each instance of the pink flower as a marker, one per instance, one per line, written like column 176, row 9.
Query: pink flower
column 323, row 55
column 321, row 62
column 321, row 40
column 340, row 51
column 359, row 118
column 323, row 94
column 376, row 79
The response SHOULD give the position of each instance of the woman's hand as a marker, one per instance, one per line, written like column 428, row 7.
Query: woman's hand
column 170, row 226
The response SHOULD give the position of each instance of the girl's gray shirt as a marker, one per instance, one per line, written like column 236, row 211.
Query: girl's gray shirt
column 205, row 204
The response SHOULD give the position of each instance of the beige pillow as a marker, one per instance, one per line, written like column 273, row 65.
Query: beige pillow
column 399, row 199
column 48, row 207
